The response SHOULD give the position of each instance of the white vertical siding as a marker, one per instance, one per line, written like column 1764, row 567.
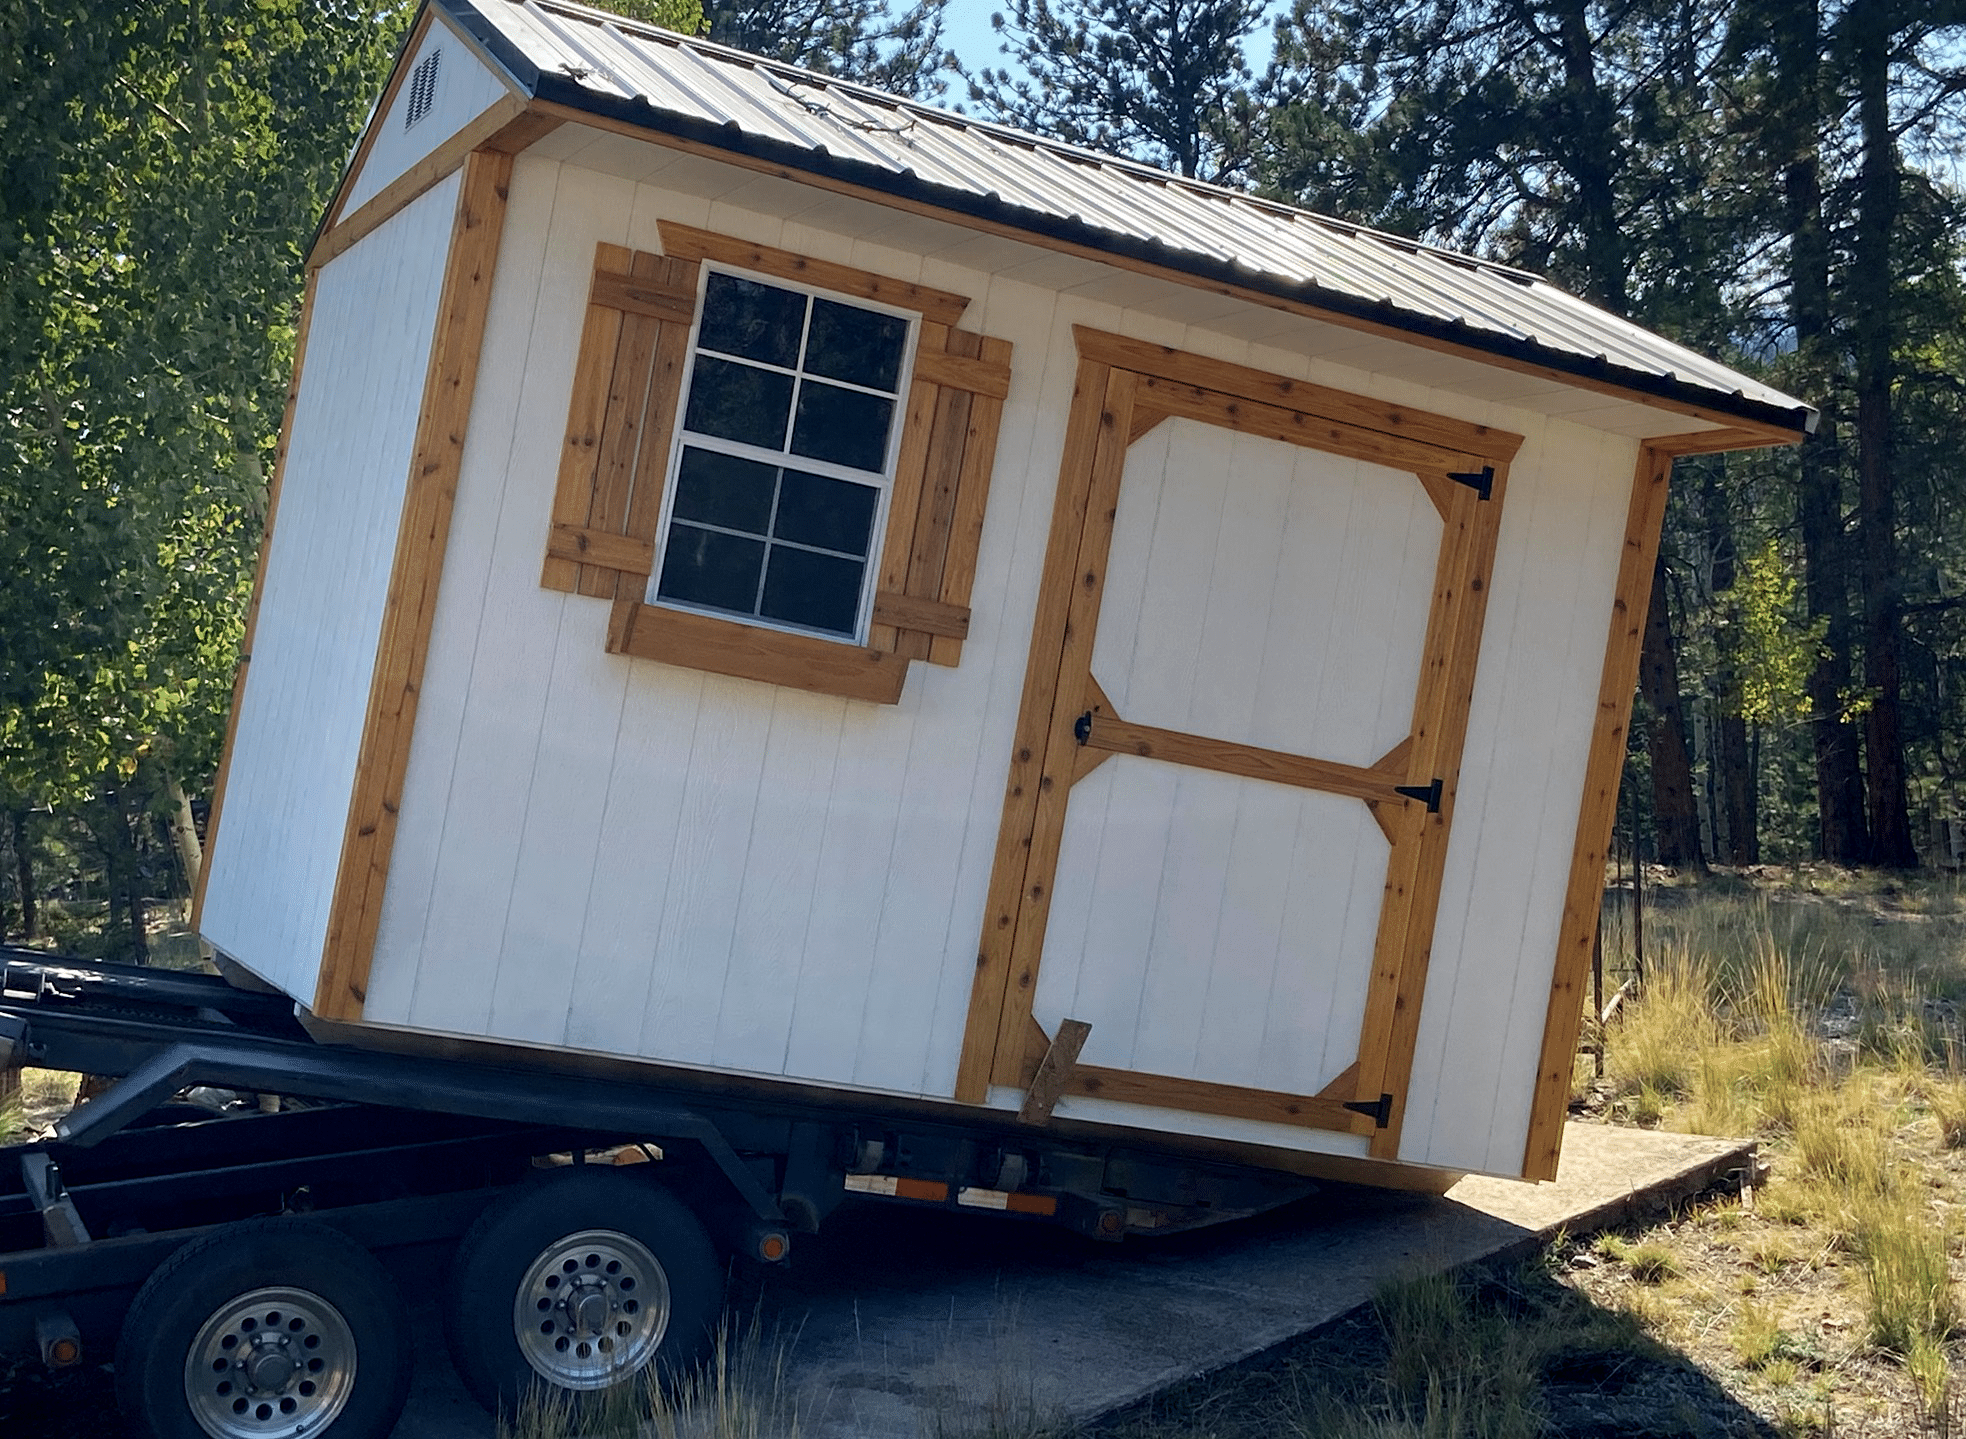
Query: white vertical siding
column 466, row 87
column 1515, row 814
column 299, row 726
column 627, row 857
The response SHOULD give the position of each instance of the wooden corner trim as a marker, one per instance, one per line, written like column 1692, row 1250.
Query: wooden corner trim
column 425, row 175
column 355, row 913
column 689, row 243
column 239, row 671
column 1177, row 368
column 727, row 647
column 1584, row 891
column 1715, row 442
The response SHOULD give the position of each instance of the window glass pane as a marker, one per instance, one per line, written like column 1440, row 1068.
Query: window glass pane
column 818, row 591
column 759, row 322
column 738, row 402
column 832, row 514
column 702, row 567
column 724, row 490
column 855, row 345
column 843, row 426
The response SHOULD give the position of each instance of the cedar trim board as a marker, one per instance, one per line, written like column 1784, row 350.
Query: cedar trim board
column 687, row 242
column 505, row 126
column 252, row 605
column 1050, row 748
column 1089, row 415
column 801, row 1099
column 1603, row 773
column 404, row 642
column 729, row 647
column 561, row 97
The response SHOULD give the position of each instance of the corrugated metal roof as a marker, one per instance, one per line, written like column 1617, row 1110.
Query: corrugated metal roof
column 741, row 103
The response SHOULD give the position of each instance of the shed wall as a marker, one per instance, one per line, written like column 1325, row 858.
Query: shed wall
column 299, row 726
column 466, row 87
column 626, row 857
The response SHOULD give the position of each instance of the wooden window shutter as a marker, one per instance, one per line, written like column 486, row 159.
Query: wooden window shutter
column 941, row 481
column 626, row 386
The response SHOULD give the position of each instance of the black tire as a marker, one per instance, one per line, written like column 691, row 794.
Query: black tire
column 543, row 1216
column 339, row 1304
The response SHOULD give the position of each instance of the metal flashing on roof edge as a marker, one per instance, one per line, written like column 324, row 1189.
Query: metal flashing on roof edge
column 724, row 99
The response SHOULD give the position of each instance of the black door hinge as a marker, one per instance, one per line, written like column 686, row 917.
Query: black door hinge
column 1481, row 481
column 1379, row 1111
column 1429, row 794
column 1082, row 727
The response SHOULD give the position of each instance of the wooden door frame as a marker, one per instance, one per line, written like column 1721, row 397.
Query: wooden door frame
column 1124, row 389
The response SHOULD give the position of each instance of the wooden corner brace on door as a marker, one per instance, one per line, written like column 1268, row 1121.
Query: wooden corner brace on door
column 1068, row 725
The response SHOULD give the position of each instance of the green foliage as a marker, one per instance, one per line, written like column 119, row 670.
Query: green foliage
column 164, row 165
column 1777, row 645
column 1162, row 79
column 685, row 17
column 854, row 39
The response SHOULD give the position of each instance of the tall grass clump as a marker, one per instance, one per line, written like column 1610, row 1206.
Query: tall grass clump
column 1454, row 1368
column 1663, row 1035
column 1907, row 1277
column 742, row 1391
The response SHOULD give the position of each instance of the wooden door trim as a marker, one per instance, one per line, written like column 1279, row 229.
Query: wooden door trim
column 1003, row 1043
column 988, row 987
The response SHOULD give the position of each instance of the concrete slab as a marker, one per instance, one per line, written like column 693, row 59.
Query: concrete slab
column 900, row 1325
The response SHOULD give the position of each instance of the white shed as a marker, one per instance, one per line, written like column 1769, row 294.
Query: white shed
column 790, row 587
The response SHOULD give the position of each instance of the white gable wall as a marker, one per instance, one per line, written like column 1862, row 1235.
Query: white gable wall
column 466, row 87
column 631, row 858
column 299, row 725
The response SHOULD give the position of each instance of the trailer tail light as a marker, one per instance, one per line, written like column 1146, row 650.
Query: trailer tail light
column 889, row 1186
column 1014, row 1203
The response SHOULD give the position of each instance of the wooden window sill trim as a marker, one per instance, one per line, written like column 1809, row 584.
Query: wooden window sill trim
column 727, row 647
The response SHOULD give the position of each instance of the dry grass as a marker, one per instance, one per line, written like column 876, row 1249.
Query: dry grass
column 740, row 1392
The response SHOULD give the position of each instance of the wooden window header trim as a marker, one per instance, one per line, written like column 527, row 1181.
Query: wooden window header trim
column 686, row 242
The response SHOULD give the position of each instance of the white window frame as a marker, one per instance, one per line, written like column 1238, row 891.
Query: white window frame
column 883, row 483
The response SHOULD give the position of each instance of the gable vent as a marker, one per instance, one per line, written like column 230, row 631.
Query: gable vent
column 423, row 88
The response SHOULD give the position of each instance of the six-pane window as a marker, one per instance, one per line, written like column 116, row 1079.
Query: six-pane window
column 783, row 457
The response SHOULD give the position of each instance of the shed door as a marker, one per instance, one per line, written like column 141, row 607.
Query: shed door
column 1257, row 637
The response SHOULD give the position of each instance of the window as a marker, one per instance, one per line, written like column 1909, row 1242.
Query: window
column 775, row 466
column 784, row 456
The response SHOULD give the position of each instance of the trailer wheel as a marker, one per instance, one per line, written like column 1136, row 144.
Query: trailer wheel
column 579, row 1279
column 267, row 1327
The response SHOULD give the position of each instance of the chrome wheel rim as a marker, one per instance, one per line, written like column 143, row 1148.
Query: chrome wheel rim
column 591, row 1309
column 273, row 1361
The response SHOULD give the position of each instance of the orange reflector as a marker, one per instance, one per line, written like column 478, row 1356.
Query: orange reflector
column 888, row 1186
column 1005, row 1199
column 3, row 1281
column 772, row 1248
column 64, row 1351
column 1032, row 1204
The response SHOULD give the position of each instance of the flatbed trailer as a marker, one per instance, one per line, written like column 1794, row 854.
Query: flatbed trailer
column 227, row 1259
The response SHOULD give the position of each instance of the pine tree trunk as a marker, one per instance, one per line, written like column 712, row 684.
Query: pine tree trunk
column 30, row 913
column 1886, row 802
column 1675, row 811
column 184, row 833
column 1842, row 833
column 1730, row 742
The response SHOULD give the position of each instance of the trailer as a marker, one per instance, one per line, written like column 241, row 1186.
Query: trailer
column 234, row 1265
